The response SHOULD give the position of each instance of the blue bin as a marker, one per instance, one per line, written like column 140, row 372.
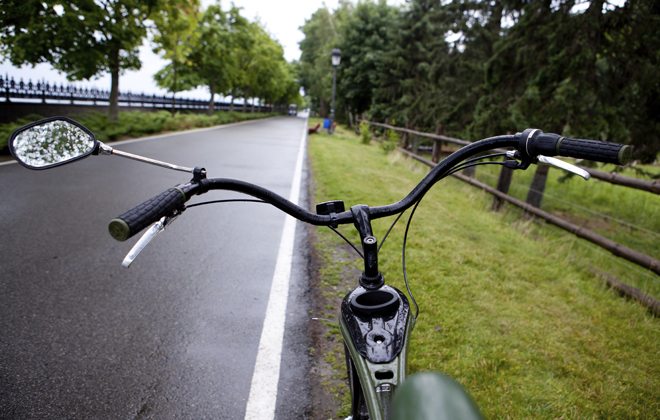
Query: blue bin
column 326, row 123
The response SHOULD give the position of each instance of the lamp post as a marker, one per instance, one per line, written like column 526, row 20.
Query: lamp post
column 336, row 59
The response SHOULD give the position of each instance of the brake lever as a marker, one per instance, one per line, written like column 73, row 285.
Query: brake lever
column 564, row 165
column 148, row 236
column 557, row 163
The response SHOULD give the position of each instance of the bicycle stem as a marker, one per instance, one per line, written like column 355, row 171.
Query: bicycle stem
column 371, row 278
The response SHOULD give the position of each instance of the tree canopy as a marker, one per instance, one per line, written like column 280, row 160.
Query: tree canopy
column 471, row 68
column 82, row 38
column 216, row 48
column 226, row 53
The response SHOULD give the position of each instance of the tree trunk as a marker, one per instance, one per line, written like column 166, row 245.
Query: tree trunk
column 212, row 100
column 231, row 104
column 174, row 88
column 114, row 86
column 323, row 109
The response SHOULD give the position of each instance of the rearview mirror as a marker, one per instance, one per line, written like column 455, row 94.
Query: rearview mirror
column 51, row 142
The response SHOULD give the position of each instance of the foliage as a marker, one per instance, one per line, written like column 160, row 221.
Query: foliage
column 174, row 35
column 473, row 69
column 390, row 141
column 365, row 133
column 321, row 36
column 82, row 39
column 215, row 48
column 7, row 129
column 530, row 334
column 366, row 37
column 228, row 54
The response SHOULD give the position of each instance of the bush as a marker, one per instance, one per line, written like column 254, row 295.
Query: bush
column 365, row 134
column 6, row 130
column 137, row 123
column 390, row 141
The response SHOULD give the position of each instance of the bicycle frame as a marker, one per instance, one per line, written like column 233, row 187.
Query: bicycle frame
column 375, row 326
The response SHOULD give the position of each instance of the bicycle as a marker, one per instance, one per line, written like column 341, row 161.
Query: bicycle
column 375, row 319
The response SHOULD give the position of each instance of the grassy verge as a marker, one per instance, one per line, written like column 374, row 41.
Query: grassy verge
column 509, row 307
column 628, row 216
column 596, row 204
column 137, row 123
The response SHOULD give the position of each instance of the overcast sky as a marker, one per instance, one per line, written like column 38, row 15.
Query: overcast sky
column 281, row 18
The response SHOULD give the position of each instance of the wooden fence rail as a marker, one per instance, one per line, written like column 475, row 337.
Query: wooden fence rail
column 532, row 204
column 617, row 249
column 612, row 178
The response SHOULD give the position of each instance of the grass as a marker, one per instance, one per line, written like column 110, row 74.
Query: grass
column 137, row 123
column 627, row 216
column 509, row 307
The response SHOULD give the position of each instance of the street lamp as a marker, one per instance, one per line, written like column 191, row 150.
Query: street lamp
column 336, row 59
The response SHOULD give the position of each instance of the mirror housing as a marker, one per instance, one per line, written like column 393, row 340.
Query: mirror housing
column 51, row 142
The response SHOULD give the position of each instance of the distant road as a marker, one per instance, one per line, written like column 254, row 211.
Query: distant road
column 174, row 336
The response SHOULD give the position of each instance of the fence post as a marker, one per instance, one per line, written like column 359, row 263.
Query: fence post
column 536, row 189
column 471, row 171
column 437, row 147
column 503, row 184
column 415, row 145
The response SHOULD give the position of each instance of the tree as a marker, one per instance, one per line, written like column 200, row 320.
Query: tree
column 211, row 57
column 587, row 74
column 266, row 70
column 365, row 39
column 243, row 39
column 82, row 38
column 321, row 31
column 173, row 37
column 410, row 92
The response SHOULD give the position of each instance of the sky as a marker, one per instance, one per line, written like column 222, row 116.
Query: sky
column 281, row 18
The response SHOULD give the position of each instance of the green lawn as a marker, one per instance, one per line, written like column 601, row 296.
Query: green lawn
column 509, row 307
column 625, row 215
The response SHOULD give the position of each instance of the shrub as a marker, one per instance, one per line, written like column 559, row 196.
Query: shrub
column 137, row 123
column 365, row 134
column 390, row 141
column 6, row 130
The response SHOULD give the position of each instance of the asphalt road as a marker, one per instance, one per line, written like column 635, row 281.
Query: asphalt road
column 175, row 335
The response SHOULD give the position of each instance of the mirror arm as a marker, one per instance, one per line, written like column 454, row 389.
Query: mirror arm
column 104, row 149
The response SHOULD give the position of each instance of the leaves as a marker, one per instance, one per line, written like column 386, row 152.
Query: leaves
column 472, row 69
column 223, row 51
column 81, row 39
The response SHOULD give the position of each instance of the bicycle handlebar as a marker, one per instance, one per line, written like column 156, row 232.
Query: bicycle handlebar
column 134, row 220
column 533, row 142
column 530, row 143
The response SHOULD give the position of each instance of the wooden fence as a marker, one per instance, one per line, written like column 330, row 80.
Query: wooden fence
column 535, row 194
column 438, row 140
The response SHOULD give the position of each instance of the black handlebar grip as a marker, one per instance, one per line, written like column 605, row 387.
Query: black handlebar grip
column 594, row 150
column 533, row 142
column 141, row 216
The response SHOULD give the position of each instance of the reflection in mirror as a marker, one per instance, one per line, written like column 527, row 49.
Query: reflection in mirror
column 51, row 143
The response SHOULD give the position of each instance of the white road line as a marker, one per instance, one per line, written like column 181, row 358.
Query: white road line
column 263, row 391
column 160, row 136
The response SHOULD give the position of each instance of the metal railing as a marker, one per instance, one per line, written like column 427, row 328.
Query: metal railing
column 47, row 92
